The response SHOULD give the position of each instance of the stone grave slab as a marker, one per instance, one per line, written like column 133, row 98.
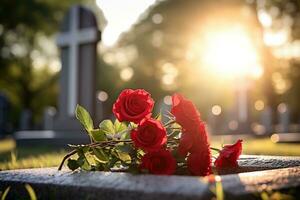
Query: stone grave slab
column 249, row 163
column 52, row 184
column 50, row 138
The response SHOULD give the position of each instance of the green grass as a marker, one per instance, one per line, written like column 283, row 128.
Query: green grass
column 29, row 157
column 32, row 157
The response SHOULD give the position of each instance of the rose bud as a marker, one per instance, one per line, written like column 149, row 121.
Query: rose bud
column 228, row 155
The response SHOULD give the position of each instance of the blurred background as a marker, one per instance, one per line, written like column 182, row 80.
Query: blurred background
column 237, row 60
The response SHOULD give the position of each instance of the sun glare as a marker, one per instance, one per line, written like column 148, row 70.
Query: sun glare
column 231, row 53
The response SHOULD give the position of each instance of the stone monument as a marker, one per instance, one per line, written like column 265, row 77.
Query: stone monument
column 78, row 44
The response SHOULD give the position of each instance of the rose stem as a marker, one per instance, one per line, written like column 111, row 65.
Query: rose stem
column 169, row 123
column 90, row 145
column 65, row 158
column 215, row 149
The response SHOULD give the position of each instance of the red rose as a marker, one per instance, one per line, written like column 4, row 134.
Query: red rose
column 185, row 144
column 229, row 155
column 191, row 140
column 196, row 143
column 159, row 162
column 150, row 135
column 185, row 112
column 199, row 162
column 133, row 105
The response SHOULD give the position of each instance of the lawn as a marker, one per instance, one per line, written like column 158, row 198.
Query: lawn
column 30, row 157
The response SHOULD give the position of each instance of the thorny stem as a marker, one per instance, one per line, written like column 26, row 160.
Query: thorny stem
column 169, row 123
column 65, row 158
column 173, row 128
column 110, row 142
column 96, row 144
column 215, row 149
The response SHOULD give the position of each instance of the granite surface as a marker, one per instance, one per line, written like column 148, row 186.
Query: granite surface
column 52, row 184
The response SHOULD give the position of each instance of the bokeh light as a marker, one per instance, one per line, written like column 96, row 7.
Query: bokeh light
column 102, row 96
column 126, row 74
column 216, row 110
column 168, row 100
column 259, row 105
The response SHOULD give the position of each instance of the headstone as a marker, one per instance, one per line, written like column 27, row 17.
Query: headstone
column 78, row 46
column 4, row 115
column 26, row 120
column 242, row 106
column 52, row 184
column 215, row 122
column 283, row 117
column 101, row 102
column 266, row 120
column 49, row 117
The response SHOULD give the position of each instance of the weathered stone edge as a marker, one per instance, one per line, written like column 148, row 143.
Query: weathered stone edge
column 51, row 184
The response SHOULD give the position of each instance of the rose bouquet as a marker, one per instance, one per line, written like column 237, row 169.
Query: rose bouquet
column 138, row 142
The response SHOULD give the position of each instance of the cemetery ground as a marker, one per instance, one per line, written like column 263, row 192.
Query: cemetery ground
column 12, row 157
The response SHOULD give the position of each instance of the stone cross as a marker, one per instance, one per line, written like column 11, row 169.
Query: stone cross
column 78, row 46
column 78, row 49
column 75, row 34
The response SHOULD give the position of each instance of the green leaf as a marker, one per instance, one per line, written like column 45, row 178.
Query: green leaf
column 126, row 148
column 126, row 136
column 72, row 164
column 107, row 126
column 98, row 135
column 124, row 157
column 119, row 126
column 84, row 149
column 133, row 125
column 84, row 117
column 112, row 161
column 101, row 166
column 100, row 155
column 83, row 162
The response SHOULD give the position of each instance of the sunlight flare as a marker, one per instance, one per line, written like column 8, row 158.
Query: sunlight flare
column 231, row 53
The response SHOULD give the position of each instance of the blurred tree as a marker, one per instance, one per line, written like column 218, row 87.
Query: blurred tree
column 24, row 29
column 285, row 21
column 168, row 41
